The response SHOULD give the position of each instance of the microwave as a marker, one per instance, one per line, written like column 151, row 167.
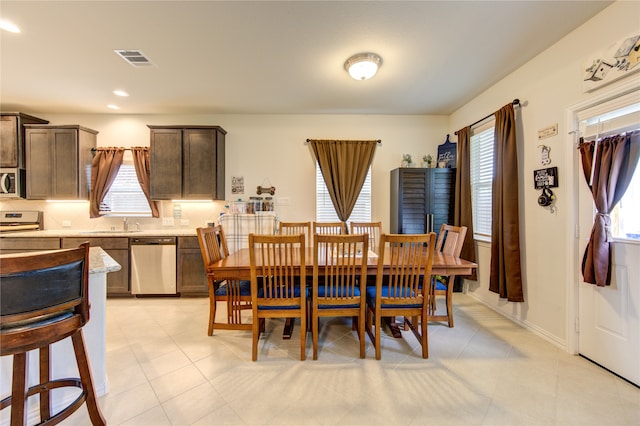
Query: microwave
column 12, row 183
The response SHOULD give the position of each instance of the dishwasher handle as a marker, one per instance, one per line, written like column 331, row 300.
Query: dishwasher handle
column 171, row 241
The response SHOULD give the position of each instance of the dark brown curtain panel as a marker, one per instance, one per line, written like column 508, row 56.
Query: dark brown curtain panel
column 616, row 158
column 463, row 213
column 506, row 273
column 141, row 164
column 344, row 166
column 104, row 169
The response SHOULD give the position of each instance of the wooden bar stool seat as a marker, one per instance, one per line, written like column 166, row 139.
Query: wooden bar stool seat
column 44, row 299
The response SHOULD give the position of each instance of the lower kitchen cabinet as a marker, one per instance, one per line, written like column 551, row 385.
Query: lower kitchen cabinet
column 118, row 249
column 21, row 245
column 192, row 278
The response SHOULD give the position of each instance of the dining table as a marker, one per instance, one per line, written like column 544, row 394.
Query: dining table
column 237, row 266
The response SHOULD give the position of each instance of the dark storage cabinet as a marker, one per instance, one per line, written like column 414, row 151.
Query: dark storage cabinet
column 421, row 199
column 187, row 162
column 192, row 278
column 59, row 161
column 12, row 138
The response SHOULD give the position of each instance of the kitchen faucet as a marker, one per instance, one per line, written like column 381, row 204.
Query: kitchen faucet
column 125, row 224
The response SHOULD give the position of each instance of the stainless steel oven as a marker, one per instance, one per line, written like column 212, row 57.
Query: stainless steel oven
column 11, row 183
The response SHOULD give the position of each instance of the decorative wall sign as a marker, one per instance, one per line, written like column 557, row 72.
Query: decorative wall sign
column 545, row 178
column 447, row 154
column 545, row 160
column 237, row 184
column 618, row 60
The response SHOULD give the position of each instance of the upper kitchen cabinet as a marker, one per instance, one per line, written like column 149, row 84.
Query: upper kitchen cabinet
column 12, row 138
column 187, row 162
column 59, row 161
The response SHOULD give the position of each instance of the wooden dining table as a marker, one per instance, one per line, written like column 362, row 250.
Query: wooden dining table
column 237, row 266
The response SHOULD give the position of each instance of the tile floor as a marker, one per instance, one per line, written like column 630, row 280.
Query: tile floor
column 164, row 370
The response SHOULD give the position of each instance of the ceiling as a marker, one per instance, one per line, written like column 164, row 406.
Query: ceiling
column 270, row 57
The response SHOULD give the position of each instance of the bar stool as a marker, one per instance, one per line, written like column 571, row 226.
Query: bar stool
column 44, row 299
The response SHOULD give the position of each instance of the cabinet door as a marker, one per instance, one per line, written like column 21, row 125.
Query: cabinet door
column 408, row 201
column 199, row 164
column 192, row 279
column 39, row 152
column 165, row 164
column 65, row 179
column 441, row 196
column 9, row 141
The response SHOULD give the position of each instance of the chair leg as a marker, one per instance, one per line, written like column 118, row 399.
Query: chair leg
column 314, row 335
column 45, row 371
column 19, row 389
column 303, row 336
column 87, row 381
column 449, row 301
column 257, row 324
column 212, row 314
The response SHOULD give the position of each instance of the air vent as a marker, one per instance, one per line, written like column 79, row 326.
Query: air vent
column 135, row 58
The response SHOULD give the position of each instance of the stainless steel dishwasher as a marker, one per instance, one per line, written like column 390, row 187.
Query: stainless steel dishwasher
column 153, row 265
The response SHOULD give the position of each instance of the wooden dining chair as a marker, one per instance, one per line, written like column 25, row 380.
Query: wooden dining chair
column 277, row 290
column 293, row 228
column 329, row 228
column 450, row 241
column 44, row 299
column 401, row 293
column 339, row 282
column 235, row 293
column 372, row 229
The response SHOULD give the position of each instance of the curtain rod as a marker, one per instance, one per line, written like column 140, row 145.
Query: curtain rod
column 379, row 141
column 516, row 102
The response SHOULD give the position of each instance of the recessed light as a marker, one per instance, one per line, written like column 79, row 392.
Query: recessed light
column 8, row 26
column 112, row 106
column 120, row 93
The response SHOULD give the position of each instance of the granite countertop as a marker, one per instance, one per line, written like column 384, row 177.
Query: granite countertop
column 100, row 262
column 75, row 233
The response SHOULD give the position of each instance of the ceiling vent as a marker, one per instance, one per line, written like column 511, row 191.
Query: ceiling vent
column 135, row 58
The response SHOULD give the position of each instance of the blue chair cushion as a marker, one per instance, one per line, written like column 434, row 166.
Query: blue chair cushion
column 338, row 292
column 371, row 298
column 296, row 293
column 440, row 286
column 245, row 289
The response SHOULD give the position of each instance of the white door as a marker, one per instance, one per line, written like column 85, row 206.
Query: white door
column 609, row 317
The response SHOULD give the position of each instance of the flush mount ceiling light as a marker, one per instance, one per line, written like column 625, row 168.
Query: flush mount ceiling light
column 363, row 66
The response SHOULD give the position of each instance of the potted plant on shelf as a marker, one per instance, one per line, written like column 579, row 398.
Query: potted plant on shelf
column 426, row 161
column 406, row 160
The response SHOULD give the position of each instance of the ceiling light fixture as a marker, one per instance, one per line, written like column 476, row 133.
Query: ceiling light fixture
column 8, row 26
column 363, row 66
column 112, row 106
column 120, row 93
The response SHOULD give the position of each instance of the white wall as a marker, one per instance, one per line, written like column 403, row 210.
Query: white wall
column 266, row 150
column 547, row 86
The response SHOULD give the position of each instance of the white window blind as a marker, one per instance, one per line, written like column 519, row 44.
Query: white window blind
column 481, row 179
column 125, row 197
column 325, row 211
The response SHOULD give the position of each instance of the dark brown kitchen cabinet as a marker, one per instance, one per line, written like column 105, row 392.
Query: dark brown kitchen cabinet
column 27, row 244
column 187, row 162
column 58, row 160
column 118, row 249
column 192, row 279
column 12, row 138
column 421, row 199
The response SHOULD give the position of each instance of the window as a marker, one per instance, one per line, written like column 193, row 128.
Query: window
column 125, row 197
column 610, row 118
column 481, row 179
column 325, row 211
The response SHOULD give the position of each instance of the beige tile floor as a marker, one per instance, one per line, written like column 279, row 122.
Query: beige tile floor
column 163, row 369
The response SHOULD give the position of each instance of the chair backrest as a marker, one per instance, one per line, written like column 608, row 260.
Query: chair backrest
column 372, row 229
column 278, row 262
column 344, row 261
column 293, row 228
column 329, row 228
column 39, row 289
column 451, row 239
column 213, row 245
column 410, row 258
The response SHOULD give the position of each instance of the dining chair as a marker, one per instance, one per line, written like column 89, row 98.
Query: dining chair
column 277, row 263
column 372, row 229
column 293, row 228
column 400, row 292
column 450, row 241
column 329, row 228
column 44, row 299
column 339, row 282
column 235, row 293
